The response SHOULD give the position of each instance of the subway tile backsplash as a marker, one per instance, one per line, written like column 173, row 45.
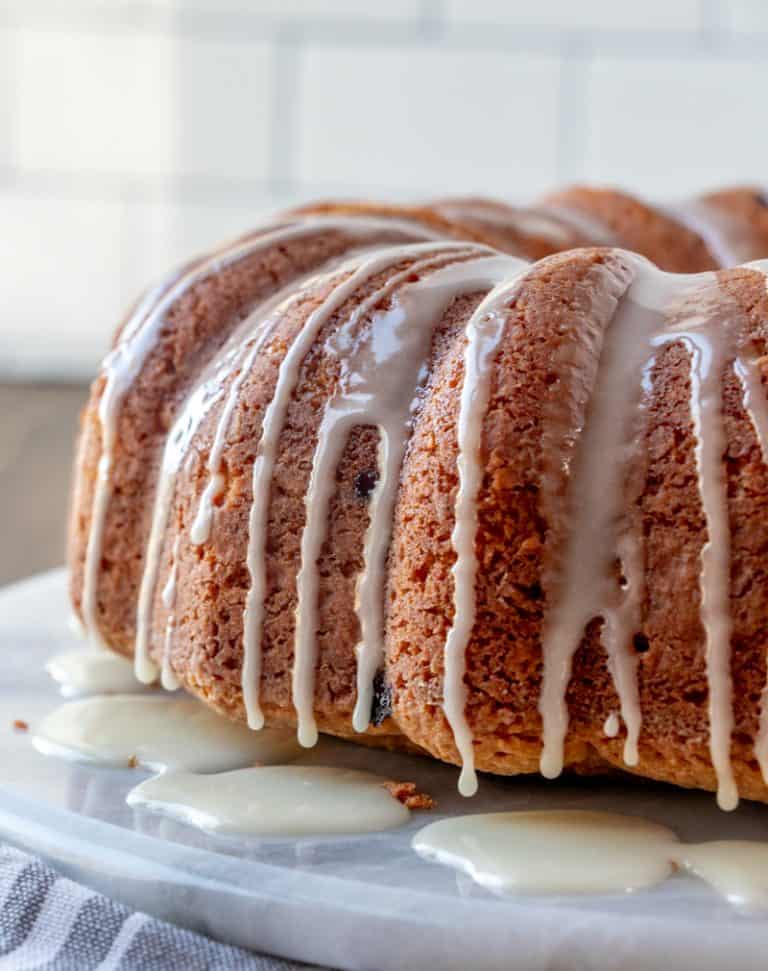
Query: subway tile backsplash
column 135, row 133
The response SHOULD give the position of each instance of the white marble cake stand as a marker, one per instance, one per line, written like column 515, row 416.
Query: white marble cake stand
column 357, row 902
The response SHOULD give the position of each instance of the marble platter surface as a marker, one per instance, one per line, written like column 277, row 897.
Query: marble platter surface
column 357, row 902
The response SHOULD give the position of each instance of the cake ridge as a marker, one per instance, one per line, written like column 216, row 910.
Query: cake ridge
column 274, row 419
column 138, row 336
column 362, row 403
column 483, row 332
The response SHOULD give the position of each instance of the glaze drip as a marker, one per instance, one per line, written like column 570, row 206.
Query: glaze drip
column 729, row 240
column 538, row 221
column 586, row 225
column 421, row 307
column 748, row 371
column 656, row 310
column 583, row 584
column 352, row 278
column 708, row 357
column 366, row 394
column 121, row 368
column 123, row 365
column 381, row 371
column 483, row 335
column 168, row 679
column 238, row 352
column 362, row 397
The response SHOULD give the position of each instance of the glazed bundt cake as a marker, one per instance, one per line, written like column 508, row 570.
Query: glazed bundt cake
column 364, row 473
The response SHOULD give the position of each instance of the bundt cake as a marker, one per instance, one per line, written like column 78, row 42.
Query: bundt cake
column 363, row 472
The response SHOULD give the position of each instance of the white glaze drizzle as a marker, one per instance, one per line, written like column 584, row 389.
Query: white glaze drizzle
column 168, row 596
column 588, row 226
column 200, row 530
column 263, row 468
column 653, row 313
column 483, row 334
column 583, row 584
column 246, row 343
column 381, row 372
column 708, row 360
column 423, row 303
column 362, row 397
column 747, row 369
column 168, row 678
column 123, row 365
column 528, row 221
column 209, row 389
column 612, row 725
column 728, row 239
column 240, row 350
column 120, row 372
column 198, row 404
column 736, row 869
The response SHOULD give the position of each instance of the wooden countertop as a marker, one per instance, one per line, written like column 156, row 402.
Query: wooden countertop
column 37, row 431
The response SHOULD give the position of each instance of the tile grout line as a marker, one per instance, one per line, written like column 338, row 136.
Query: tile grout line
column 284, row 109
column 573, row 110
column 713, row 30
column 432, row 21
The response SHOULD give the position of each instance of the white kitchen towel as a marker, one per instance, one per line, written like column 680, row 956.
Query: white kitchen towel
column 50, row 923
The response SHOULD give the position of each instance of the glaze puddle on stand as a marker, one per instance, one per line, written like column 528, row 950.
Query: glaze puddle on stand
column 93, row 671
column 578, row 852
column 158, row 732
column 275, row 801
column 185, row 738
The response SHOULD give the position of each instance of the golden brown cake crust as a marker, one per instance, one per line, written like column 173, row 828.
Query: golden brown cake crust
column 513, row 230
column 746, row 207
column 193, row 327
column 637, row 226
column 213, row 581
column 504, row 662
column 425, row 215
column 515, row 539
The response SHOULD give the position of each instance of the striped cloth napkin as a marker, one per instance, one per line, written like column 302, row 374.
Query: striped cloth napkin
column 49, row 923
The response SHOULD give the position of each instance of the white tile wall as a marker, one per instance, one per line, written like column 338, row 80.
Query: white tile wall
column 6, row 97
column 748, row 16
column 62, row 288
column 427, row 121
column 94, row 102
column 223, row 110
column 195, row 228
column 675, row 128
column 134, row 133
column 146, row 245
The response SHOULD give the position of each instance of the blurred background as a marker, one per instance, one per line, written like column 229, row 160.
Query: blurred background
column 133, row 134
